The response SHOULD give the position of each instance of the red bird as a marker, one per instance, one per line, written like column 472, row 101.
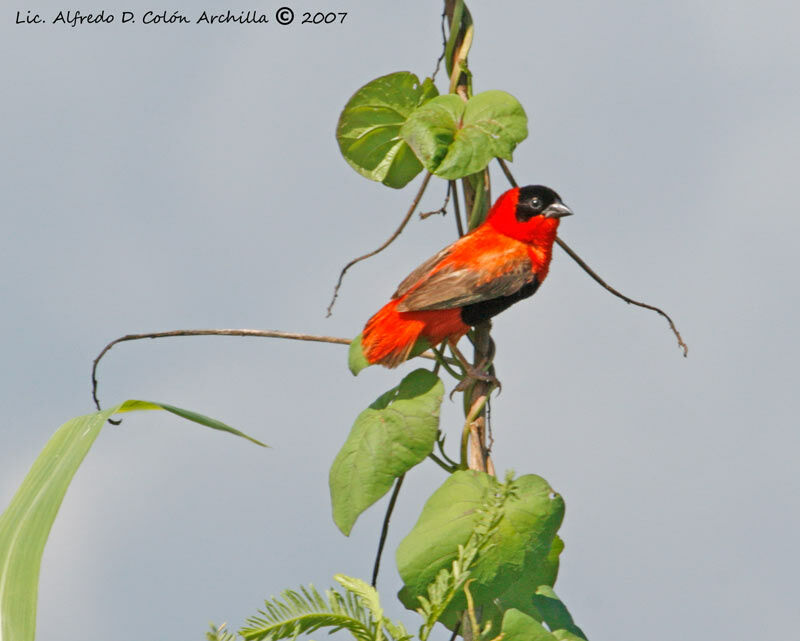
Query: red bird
column 480, row 275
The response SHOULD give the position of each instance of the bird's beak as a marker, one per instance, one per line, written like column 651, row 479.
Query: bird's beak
column 557, row 210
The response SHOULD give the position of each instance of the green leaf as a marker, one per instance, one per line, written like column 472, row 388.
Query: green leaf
column 365, row 592
column 549, row 609
column 520, row 557
column 456, row 29
column 431, row 130
column 520, row 594
column 368, row 132
column 452, row 581
column 26, row 523
column 518, row 626
column 356, row 360
column 564, row 635
column 305, row 612
column 369, row 599
column 219, row 633
column 555, row 614
column 480, row 204
column 131, row 406
column 387, row 439
column 454, row 139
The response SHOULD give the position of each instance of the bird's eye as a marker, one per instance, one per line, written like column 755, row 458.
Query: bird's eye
column 536, row 203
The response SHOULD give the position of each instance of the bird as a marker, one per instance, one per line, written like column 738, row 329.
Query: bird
column 501, row 262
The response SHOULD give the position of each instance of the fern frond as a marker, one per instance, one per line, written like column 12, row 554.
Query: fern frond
column 397, row 631
column 219, row 633
column 307, row 611
column 367, row 596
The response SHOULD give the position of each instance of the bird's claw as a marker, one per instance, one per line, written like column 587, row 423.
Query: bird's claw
column 474, row 375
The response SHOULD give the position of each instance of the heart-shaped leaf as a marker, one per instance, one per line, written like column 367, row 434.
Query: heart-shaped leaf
column 387, row 439
column 454, row 139
column 523, row 554
column 518, row 626
column 554, row 613
column 369, row 127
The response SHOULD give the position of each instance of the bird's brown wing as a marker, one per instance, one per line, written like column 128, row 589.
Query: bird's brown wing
column 501, row 272
column 422, row 271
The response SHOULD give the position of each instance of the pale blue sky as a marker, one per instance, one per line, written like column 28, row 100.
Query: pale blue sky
column 172, row 177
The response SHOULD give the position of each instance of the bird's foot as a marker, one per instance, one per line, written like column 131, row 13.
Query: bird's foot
column 472, row 376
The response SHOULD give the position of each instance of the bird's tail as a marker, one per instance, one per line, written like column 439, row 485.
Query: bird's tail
column 392, row 337
column 387, row 338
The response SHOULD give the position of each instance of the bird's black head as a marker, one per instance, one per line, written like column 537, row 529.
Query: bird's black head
column 538, row 200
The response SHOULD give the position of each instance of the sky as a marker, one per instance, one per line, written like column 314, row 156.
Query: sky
column 159, row 177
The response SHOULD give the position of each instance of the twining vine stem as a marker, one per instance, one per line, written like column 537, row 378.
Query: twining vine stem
column 257, row 333
column 456, row 208
column 385, row 528
column 444, row 47
column 442, row 210
column 461, row 33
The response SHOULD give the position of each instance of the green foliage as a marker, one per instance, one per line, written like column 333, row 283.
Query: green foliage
column 450, row 581
column 524, row 551
column 369, row 127
column 564, row 635
column 395, row 125
column 358, row 611
column 390, row 437
column 26, row 523
column 356, row 360
column 454, row 139
column 219, row 633
column 460, row 26
column 555, row 614
column 130, row 406
column 431, row 131
column 518, row 626
column 481, row 204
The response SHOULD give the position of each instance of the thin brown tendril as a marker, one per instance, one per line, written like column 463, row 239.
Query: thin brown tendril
column 599, row 280
column 388, row 242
